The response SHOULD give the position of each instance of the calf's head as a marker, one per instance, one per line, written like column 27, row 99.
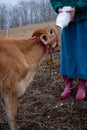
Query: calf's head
column 48, row 37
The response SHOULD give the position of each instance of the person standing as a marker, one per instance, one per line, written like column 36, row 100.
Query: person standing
column 73, row 59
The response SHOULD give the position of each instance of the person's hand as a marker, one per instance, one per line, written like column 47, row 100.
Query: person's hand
column 60, row 10
column 71, row 11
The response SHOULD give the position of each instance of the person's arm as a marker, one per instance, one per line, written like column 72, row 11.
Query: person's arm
column 81, row 4
column 56, row 4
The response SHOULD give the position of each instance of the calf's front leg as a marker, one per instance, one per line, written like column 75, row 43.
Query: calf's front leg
column 10, row 107
column 9, row 98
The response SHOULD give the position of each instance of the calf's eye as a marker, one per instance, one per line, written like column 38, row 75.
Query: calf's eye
column 51, row 31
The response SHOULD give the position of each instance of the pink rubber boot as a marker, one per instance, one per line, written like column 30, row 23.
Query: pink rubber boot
column 81, row 93
column 68, row 87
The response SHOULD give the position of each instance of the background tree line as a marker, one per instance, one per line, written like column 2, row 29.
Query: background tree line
column 26, row 12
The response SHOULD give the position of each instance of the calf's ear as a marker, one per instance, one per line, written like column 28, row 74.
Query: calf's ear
column 44, row 39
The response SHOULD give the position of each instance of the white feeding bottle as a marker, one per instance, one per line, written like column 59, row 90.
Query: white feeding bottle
column 63, row 18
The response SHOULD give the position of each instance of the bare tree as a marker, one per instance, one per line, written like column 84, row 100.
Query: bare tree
column 26, row 12
column 3, row 16
column 34, row 14
column 46, row 11
column 14, row 17
column 50, row 15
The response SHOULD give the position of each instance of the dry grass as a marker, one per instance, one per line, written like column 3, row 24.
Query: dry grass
column 25, row 31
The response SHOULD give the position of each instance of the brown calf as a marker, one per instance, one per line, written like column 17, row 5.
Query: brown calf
column 19, row 60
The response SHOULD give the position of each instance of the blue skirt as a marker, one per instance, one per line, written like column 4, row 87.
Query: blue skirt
column 73, row 59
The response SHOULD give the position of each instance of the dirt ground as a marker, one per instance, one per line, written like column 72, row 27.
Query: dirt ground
column 41, row 108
